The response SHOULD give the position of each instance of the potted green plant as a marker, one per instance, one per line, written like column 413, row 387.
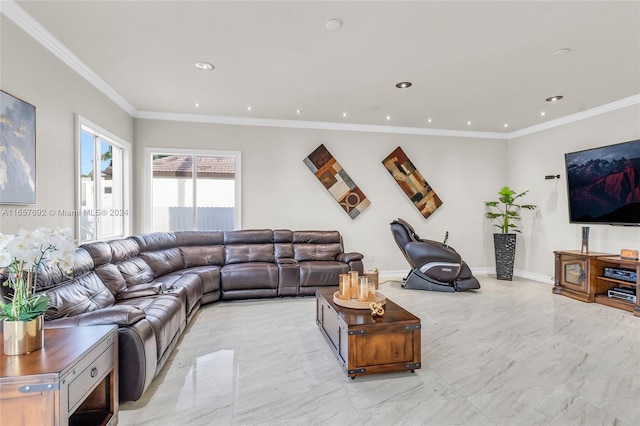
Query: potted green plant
column 21, row 309
column 506, row 215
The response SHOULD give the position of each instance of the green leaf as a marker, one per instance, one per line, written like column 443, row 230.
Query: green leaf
column 505, row 212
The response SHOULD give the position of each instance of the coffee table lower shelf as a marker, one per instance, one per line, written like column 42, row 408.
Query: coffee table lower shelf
column 366, row 345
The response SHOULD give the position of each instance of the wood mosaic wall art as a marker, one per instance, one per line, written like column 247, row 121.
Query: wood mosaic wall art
column 337, row 181
column 412, row 182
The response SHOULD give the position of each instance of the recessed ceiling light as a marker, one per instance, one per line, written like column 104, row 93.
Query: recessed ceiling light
column 428, row 120
column 563, row 51
column 468, row 123
column 298, row 111
column 506, row 125
column 197, row 105
column 404, row 84
column 554, row 98
column 542, row 114
column 388, row 117
column 249, row 108
column 344, row 114
column 204, row 66
column 333, row 24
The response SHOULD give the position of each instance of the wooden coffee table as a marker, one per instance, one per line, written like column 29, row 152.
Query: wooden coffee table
column 368, row 345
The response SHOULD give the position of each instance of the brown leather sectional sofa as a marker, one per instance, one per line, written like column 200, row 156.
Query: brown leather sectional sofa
column 151, row 285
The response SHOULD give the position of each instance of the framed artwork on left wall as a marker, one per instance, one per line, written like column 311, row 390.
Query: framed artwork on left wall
column 17, row 150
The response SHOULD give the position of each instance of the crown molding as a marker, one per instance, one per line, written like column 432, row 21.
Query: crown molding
column 572, row 118
column 315, row 125
column 28, row 24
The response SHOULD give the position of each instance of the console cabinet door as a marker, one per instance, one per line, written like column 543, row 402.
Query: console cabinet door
column 574, row 273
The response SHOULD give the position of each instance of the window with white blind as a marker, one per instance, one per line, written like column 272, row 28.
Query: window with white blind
column 193, row 189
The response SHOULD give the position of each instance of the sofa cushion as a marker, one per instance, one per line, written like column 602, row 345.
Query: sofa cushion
column 51, row 275
column 244, row 276
column 142, row 290
column 315, row 274
column 317, row 237
column 199, row 238
column 246, row 253
column 249, row 236
column 135, row 271
column 155, row 241
column 202, row 255
column 112, row 278
column 163, row 261
column 160, row 251
column 123, row 249
column 283, row 243
column 191, row 282
column 120, row 315
column 209, row 275
column 166, row 315
column 100, row 252
column 311, row 252
column 84, row 294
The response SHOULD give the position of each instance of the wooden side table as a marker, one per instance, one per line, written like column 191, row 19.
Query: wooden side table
column 72, row 380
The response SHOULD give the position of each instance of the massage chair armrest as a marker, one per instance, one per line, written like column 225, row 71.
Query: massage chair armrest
column 142, row 290
column 120, row 315
column 349, row 257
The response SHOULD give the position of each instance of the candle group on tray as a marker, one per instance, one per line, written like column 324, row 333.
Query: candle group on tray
column 353, row 287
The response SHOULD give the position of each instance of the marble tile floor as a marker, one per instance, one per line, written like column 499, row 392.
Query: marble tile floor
column 511, row 353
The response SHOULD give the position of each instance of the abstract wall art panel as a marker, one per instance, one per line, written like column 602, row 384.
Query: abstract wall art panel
column 412, row 182
column 337, row 181
column 17, row 151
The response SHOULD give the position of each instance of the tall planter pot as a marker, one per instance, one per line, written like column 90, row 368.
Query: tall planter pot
column 505, row 250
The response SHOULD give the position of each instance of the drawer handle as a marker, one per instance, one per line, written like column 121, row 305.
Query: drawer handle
column 94, row 372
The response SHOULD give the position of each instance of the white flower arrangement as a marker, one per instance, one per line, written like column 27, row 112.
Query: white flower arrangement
column 20, row 258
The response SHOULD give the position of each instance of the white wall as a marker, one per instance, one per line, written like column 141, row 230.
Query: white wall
column 31, row 73
column 532, row 157
column 279, row 191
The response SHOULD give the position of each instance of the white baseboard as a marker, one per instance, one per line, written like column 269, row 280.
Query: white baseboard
column 393, row 275
column 546, row 279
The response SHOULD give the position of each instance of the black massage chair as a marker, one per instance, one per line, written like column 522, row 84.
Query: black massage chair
column 435, row 266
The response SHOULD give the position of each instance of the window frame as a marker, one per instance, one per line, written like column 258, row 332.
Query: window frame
column 149, row 152
column 84, row 125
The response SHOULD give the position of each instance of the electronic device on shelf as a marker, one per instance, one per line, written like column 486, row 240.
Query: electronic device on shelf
column 621, row 274
column 622, row 293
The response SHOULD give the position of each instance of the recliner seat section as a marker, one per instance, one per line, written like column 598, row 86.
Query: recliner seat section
column 318, row 256
column 151, row 285
column 249, row 269
column 160, row 251
column 203, row 255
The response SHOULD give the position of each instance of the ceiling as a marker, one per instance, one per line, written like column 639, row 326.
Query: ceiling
column 488, row 63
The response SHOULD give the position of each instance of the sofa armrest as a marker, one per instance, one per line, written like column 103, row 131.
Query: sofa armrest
column 120, row 315
column 349, row 257
column 142, row 290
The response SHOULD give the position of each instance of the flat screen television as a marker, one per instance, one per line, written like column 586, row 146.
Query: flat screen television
column 604, row 184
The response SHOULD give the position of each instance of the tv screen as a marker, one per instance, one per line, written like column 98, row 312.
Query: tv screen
column 604, row 184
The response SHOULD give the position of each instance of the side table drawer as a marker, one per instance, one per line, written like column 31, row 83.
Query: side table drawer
column 90, row 377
